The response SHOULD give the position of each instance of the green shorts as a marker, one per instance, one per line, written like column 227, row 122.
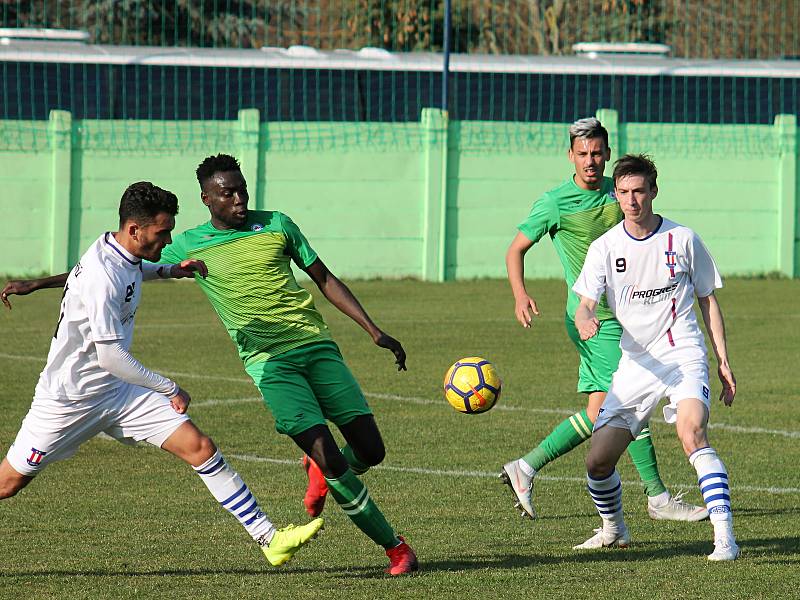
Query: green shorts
column 600, row 355
column 308, row 385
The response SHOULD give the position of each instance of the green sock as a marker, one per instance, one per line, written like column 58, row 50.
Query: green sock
column 643, row 455
column 567, row 435
column 356, row 465
column 352, row 495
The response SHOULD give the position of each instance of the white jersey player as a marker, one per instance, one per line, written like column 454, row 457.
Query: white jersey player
column 91, row 383
column 651, row 269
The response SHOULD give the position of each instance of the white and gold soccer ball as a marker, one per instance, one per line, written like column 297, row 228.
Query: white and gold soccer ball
column 472, row 385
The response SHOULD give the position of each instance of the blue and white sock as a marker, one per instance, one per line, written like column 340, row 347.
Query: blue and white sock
column 712, row 476
column 233, row 494
column 607, row 497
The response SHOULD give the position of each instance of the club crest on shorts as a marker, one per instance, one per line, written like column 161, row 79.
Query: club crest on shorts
column 36, row 457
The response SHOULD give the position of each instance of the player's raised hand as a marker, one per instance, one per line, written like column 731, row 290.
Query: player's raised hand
column 187, row 268
column 18, row 287
column 388, row 342
column 180, row 401
column 524, row 308
column 728, row 384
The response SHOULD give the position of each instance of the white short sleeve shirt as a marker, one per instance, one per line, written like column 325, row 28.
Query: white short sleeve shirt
column 651, row 284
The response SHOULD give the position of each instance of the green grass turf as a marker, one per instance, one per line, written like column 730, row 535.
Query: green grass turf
column 116, row 521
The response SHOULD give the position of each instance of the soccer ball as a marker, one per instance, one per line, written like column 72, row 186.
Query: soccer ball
column 472, row 385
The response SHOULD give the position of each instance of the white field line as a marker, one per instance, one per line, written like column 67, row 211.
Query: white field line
column 522, row 409
column 426, row 401
column 493, row 475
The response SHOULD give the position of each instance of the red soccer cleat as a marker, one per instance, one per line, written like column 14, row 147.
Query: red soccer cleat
column 317, row 490
column 401, row 559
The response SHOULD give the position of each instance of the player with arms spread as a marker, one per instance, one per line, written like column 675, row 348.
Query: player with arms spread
column 574, row 214
column 286, row 346
column 650, row 270
column 91, row 382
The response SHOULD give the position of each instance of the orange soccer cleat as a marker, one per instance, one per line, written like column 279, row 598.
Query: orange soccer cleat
column 317, row 489
column 401, row 559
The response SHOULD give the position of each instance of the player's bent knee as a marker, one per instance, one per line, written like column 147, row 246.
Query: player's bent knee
column 374, row 455
column 204, row 448
column 598, row 467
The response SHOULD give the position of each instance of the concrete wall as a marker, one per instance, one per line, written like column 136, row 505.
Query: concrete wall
column 434, row 200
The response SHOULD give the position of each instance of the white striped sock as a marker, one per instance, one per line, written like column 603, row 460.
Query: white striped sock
column 233, row 494
column 607, row 496
column 712, row 477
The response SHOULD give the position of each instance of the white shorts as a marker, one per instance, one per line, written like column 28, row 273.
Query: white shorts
column 54, row 429
column 640, row 383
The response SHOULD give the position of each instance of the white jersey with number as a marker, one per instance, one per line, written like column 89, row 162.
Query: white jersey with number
column 99, row 304
column 651, row 284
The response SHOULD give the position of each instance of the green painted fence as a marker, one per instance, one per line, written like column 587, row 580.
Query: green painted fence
column 441, row 203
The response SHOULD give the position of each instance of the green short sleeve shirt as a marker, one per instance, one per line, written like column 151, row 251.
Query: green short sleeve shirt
column 251, row 285
column 574, row 218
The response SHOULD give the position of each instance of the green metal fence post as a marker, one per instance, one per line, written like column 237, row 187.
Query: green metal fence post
column 610, row 120
column 434, row 236
column 250, row 153
column 786, row 130
column 60, row 134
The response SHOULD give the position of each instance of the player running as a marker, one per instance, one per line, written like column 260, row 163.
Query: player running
column 286, row 346
column 574, row 214
column 92, row 383
column 650, row 270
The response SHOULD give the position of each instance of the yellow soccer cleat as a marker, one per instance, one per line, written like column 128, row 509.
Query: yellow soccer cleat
column 288, row 540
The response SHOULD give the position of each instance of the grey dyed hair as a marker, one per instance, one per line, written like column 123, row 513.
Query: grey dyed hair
column 587, row 129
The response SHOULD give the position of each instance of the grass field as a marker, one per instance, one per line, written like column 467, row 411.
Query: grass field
column 122, row 522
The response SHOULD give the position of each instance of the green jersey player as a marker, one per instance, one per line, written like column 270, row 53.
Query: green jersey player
column 286, row 346
column 574, row 214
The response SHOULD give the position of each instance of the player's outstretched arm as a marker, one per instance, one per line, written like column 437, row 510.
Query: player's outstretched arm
column 185, row 268
column 22, row 287
column 524, row 305
column 188, row 268
column 342, row 298
column 585, row 320
column 715, row 325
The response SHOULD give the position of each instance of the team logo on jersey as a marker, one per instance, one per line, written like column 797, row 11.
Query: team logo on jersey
column 36, row 457
column 612, row 194
column 256, row 227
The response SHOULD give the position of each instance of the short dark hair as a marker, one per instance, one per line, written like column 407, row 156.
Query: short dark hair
column 142, row 201
column 636, row 164
column 221, row 163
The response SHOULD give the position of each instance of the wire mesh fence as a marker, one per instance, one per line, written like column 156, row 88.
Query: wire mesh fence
column 165, row 74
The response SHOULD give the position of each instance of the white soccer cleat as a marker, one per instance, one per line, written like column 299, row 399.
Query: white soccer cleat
column 725, row 548
column 677, row 510
column 522, row 487
column 606, row 539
